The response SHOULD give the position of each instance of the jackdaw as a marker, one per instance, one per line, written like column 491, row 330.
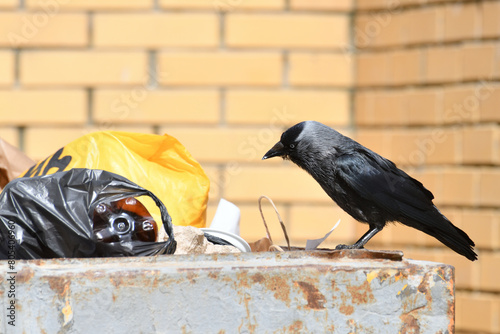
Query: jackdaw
column 367, row 186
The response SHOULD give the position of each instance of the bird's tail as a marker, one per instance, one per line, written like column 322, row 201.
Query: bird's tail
column 442, row 229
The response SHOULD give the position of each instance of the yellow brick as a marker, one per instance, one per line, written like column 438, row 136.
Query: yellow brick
column 56, row 6
column 420, row 254
column 83, row 68
column 287, row 31
column 383, row 108
column 40, row 142
column 404, row 148
column 316, row 69
column 461, row 104
column 490, row 271
column 40, row 29
column 373, row 69
column 322, row 5
column 489, row 95
column 481, row 145
column 460, row 187
column 387, row 5
column 28, row 107
column 444, row 64
column 213, row 175
column 8, row 3
column 226, row 144
column 287, row 183
column 423, row 106
column 379, row 29
column 489, row 185
column 406, row 67
column 176, row 30
column 220, row 68
column 483, row 226
column 426, row 19
column 142, row 105
column 6, row 68
column 461, row 21
column 416, row 148
column 490, row 11
column 314, row 221
column 401, row 235
column 363, row 105
column 376, row 140
column 477, row 312
column 223, row 5
column 478, row 60
column 10, row 135
column 286, row 107
column 441, row 146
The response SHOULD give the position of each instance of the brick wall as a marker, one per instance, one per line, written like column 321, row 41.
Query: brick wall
column 428, row 97
column 417, row 81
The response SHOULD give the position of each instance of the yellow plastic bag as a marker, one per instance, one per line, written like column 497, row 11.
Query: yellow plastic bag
column 157, row 163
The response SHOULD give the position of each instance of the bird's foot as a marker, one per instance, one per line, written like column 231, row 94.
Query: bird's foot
column 341, row 246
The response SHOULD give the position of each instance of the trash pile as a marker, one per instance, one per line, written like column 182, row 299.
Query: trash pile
column 110, row 194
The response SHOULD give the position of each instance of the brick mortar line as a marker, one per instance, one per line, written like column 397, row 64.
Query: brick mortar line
column 404, row 7
column 17, row 68
column 442, row 85
column 426, row 45
column 90, row 107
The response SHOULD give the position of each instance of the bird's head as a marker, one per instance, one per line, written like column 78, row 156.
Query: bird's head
column 288, row 144
column 304, row 141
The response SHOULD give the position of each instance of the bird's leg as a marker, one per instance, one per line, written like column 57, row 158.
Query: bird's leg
column 363, row 240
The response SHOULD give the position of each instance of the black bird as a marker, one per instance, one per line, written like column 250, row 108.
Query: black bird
column 367, row 186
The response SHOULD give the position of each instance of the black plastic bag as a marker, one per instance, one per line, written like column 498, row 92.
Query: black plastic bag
column 50, row 216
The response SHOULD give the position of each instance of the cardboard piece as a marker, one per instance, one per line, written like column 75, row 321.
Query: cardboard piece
column 12, row 163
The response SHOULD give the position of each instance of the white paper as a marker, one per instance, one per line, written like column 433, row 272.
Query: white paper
column 313, row 244
column 227, row 218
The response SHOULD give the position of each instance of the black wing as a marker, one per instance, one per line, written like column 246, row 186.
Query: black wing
column 379, row 180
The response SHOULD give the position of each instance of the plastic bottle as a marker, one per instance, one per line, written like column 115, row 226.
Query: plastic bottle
column 126, row 219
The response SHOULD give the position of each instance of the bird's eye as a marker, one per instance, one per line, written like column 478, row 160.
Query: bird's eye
column 292, row 145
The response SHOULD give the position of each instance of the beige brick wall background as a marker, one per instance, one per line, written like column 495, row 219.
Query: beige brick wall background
column 416, row 80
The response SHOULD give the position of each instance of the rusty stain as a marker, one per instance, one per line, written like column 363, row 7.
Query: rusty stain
column 213, row 275
column 346, row 309
column 258, row 278
column 410, row 324
column 58, row 284
column 251, row 327
column 222, row 331
column 280, row 287
column 241, row 279
column 358, row 254
column 296, row 327
column 25, row 275
column 361, row 294
column 315, row 299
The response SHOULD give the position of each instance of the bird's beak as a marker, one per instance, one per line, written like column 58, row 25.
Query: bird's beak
column 276, row 151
